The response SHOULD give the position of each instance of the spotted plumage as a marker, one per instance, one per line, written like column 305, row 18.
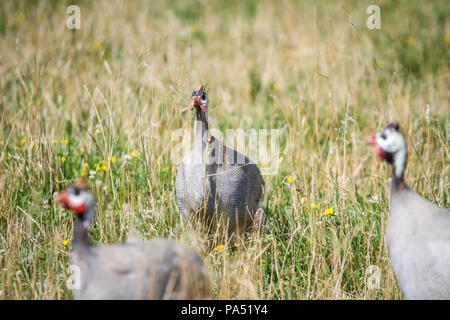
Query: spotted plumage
column 155, row 269
column 217, row 186
column 418, row 231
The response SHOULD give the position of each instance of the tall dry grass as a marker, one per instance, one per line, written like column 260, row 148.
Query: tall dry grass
column 120, row 86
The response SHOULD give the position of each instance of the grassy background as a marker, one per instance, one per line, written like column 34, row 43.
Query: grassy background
column 119, row 87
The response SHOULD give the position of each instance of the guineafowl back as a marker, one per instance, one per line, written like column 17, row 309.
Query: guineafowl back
column 222, row 183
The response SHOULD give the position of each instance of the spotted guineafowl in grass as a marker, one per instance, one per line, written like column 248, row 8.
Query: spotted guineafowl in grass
column 155, row 269
column 418, row 231
column 217, row 187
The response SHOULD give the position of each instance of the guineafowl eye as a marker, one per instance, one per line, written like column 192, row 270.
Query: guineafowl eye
column 204, row 99
column 76, row 191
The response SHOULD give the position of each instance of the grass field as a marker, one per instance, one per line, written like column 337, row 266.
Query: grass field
column 106, row 101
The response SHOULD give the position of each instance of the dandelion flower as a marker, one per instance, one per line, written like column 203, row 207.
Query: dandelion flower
column 22, row 141
column 289, row 179
column 98, row 168
column 328, row 211
column 113, row 159
column 82, row 173
column 63, row 159
column 447, row 38
column 105, row 168
column 314, row 206
column 64, row 141
column 220, row 247
column 411, row 41
column 20, row 18
column 167, row 169
column 66, row 242
column 32, row 145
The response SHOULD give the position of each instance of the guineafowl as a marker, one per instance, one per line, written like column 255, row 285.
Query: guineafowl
column 418, row 231
column 155, row 269
column 217, row 187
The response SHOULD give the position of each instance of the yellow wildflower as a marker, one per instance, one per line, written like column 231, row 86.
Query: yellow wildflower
column 63, row 159
column 220, row 247
column 66, row 242
column 167, row 169
column 113, row 159
column 289, row 179
column 302, row 201
column 135, row 153
column 20, row 18
column 411, row 41
column 98, row 168
column 22, row 141
column 83, row 173
column 328, row 211
column 105, row 168
column 32, row 145
column 85, row 166
column 447, row 38
column 64, row 141
column 95, row 46
column 314, row 206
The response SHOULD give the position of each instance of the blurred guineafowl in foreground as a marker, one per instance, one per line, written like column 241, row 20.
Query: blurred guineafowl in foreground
column 418, row 231
column 155, row 269
column 217, row 186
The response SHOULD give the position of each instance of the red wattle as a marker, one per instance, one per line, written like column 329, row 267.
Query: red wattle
column 373, row 141
column 196, row 102
column 380, row 152
column 78, row 209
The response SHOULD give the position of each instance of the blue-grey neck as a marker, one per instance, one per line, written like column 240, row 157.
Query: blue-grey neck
column 201, row 129
column 81, row 232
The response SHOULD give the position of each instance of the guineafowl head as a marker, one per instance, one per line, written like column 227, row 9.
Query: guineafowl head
column 79, row 199
column 388, row 142
column 390, row 145
column 199, row 99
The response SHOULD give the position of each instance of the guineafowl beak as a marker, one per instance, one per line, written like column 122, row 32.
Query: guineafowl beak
column 197, row 103
column 63, row 198
column 373, row 141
